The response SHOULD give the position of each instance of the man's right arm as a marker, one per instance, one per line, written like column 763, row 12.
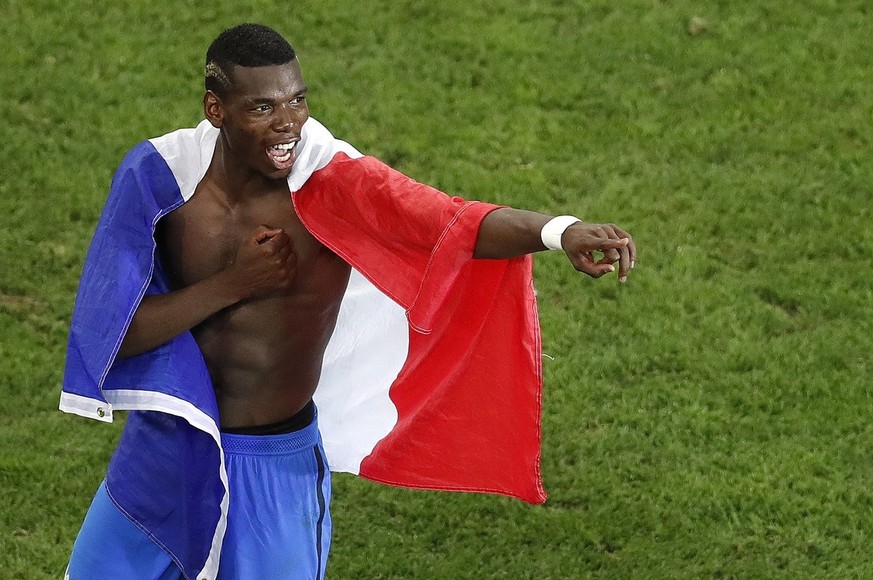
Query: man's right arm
column 264, row 263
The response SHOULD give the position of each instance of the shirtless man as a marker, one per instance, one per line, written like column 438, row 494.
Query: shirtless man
column 260, row 294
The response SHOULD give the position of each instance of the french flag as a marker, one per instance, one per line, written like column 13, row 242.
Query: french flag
column 432, row 378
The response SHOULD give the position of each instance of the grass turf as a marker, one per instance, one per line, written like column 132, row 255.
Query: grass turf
column 709, row 419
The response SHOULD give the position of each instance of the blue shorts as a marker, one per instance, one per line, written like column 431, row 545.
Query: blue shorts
column 278, row 524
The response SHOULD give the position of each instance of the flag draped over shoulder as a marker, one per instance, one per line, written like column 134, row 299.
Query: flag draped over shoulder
column 431, row 380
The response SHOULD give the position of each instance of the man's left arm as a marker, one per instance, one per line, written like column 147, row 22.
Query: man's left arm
column 507, row 233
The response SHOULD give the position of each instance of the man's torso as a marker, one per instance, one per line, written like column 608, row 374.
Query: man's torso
column 264, row 354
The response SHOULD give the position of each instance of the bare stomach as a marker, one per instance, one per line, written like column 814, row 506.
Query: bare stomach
column 264, row 356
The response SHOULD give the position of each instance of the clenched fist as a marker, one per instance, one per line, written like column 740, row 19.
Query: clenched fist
column 264, row 263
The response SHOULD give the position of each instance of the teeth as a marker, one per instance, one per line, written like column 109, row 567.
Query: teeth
column 283, row 146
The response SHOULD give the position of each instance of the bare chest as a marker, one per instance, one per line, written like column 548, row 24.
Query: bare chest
column 203, row 236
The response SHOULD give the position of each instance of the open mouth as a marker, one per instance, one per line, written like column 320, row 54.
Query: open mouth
column 282, row 155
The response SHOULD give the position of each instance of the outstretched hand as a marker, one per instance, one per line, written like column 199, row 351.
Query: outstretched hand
column 581, row 240
column 264, row 263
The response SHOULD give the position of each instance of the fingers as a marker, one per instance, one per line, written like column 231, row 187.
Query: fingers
column 614, row 248
column 616, row 245
column 608, row 243
column 278, row 242
column 609, row 257
column 586, row 264
column 280, row 252
column 263, row 234
column 621, row 253
column 276, row 249
column 275, row 241
column 631, row 247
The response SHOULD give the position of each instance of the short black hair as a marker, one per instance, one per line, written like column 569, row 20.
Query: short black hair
column 243, row 45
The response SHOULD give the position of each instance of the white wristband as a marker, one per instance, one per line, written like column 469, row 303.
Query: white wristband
column 554, row 229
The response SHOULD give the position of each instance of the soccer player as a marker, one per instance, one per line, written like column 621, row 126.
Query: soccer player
column 248, row 265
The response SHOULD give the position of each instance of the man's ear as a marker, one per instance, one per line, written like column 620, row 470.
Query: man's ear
column 213, row 108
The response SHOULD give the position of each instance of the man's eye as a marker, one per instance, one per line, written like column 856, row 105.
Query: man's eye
column 297, row 100
column 262, row 108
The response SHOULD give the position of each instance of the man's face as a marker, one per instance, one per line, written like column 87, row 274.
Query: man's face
column 263, row 115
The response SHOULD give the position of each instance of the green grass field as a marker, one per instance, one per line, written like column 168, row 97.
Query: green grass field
column 710, row 419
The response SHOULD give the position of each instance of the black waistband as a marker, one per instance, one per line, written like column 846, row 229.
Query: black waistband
column 295, row 422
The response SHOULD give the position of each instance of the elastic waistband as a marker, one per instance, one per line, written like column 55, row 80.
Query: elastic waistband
column 285, row 443
column 295, row 422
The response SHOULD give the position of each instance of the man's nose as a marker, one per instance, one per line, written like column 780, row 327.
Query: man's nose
column 285, row 119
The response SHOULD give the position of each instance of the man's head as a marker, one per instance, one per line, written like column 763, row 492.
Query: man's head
column 256, row 95
column 248, row 45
